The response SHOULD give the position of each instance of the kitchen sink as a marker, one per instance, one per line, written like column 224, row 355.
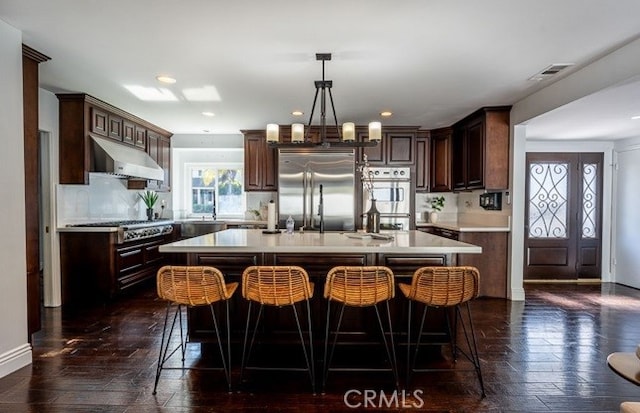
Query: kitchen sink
column 195, row 228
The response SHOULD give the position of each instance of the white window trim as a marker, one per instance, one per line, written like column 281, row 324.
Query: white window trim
column 186, row 192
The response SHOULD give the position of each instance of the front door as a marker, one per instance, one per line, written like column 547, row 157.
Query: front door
column 563, row 216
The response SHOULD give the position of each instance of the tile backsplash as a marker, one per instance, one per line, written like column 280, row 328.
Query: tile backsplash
column 463, row 207
column 105, row 199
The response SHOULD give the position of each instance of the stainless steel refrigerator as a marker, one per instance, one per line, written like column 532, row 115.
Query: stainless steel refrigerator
column 301, row 175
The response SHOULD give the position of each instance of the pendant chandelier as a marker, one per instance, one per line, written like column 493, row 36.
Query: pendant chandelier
column 301, row 138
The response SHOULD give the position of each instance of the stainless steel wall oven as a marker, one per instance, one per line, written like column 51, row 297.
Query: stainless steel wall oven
column 392, row 192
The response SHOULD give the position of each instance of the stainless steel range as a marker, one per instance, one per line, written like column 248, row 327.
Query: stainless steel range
column 132, row 230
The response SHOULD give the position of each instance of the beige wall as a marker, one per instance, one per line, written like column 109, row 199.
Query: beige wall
column 15, row 351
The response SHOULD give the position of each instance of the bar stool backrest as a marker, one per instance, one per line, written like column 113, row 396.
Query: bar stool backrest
column 191, row 285
column 444, row 286
column 276, row 285
column 359, row 286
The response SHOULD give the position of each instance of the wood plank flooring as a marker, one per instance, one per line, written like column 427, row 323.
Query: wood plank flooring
column 547, row 354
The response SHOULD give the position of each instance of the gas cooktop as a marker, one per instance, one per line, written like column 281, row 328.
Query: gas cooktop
column 125, row 223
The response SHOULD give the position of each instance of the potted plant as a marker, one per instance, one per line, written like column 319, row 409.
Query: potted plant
column 149, row 198
column 437, row 204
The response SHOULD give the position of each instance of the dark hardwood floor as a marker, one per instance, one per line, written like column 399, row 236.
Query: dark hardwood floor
column 547, row 354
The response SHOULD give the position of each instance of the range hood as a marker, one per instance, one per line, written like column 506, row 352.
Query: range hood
column 117, row 159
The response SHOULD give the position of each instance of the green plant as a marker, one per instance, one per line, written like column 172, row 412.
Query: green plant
column 437, row 203
column 149, row 198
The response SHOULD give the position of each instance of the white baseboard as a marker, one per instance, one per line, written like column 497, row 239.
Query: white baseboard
column 517, row 294
column 15, row 359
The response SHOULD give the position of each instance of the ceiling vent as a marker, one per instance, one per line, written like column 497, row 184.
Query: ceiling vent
column 549, row 71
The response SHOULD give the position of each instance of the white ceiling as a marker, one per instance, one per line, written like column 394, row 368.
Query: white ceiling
column 431, row 62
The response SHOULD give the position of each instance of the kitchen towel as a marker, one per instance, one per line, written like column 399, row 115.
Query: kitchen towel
column 271, row 216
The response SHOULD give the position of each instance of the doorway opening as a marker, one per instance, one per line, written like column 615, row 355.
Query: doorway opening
column 563, row 217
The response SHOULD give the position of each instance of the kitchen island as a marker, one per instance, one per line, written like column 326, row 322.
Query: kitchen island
column 232, row 250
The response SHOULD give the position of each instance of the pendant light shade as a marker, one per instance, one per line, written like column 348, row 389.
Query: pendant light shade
column 348, row 131
column 375, row 131
column 297, row 132
column 273, row 132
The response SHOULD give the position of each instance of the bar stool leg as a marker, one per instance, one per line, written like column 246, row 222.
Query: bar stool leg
column 227, row 374
column 408, row 346
column 304, row 349
column 325, row 373
column 475, row 357
column 164, row 347
column 391, row 353
column 246, row 355
column 418, row 339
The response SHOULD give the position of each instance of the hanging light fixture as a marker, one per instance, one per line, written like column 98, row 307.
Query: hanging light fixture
column 300, row 136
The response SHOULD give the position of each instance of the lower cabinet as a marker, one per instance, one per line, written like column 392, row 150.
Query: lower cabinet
column 95, row 268
column 492, row 263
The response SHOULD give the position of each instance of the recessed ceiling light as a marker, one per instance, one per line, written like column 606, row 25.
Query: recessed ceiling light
column 208, row 114
column 297, row 113
column 635, row 117
column 166, row 79
column 386, row 113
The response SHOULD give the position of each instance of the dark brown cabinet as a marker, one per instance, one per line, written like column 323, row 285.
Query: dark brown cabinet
column 440, row 160
column 480, row 147
column 492, row 263
column 115, row 127
column 397, row 147
column 159, row 149
column 82, row 114
column 260, row 163
column 422, row 161
column 95, row 268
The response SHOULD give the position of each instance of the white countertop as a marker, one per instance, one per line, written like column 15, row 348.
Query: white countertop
column 464, row 226
column 254, row 240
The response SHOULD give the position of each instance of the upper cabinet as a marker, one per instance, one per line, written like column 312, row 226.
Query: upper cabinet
column 159, row 148
column 260, row 162
column 397, row 147
column 440, row 160
column 480, row 150
column 422, row 161
column 82, row 114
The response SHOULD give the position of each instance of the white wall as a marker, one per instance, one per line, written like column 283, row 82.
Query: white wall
column 48, row 122
column 15, row 351
column 616, row 67
column 626, row 240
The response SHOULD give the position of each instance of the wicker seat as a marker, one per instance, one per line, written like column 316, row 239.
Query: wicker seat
column 359, row 286
column 277, row 286
column 448, row 287
column 192, row 286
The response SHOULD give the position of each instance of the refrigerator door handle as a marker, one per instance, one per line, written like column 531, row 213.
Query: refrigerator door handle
column 304, row 198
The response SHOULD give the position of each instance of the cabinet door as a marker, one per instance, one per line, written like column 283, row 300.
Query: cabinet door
column 252, row 164
column 422, row 164
column 269, row 160
column 164, row 160
column 115, row 127
column 141, row 137
column 459, row 164
column 475, row 151
column 99, row 120
column 128, row 132
column 400, row 148
column 375, row 154
column 440, row 160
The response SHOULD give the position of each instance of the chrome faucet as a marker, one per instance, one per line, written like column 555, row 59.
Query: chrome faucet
column 321, row 211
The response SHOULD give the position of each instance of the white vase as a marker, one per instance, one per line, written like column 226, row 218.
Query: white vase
column 433, row 217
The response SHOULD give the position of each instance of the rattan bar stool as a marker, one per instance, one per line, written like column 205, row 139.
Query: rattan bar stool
column 448, row 287
column 277, row 286
column 192, row 286
column 359, row 286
